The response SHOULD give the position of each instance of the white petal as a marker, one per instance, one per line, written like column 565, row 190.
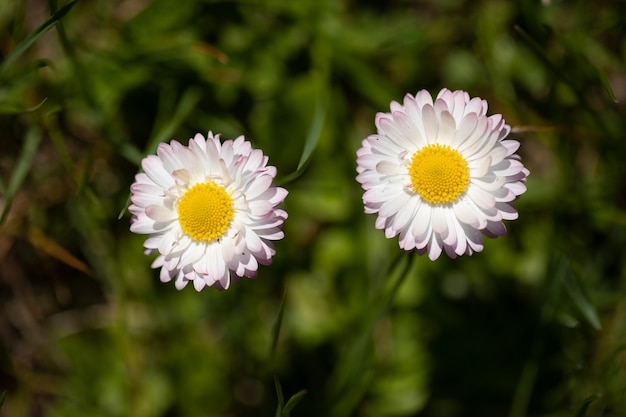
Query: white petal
column 434, row 249
column 481, row 197
column 198, row 284
column 439, row 222
column 422, row 220
column 430, row 123
column 464, row 131
column 405, row 214
column 154, row 169
column 447, row 129
column 390, row 168
column 160, row 213
column 464, row 212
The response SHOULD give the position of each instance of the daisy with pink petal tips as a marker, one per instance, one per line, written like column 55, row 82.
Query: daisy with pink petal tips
column 440, row 174
column 210, row 210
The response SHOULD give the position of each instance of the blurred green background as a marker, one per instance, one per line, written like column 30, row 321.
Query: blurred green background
column 533, row 326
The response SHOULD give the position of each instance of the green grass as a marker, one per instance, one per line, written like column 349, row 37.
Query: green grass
column 342, row 323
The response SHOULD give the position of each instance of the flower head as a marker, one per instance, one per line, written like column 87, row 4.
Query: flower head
column 440, row 173
column 209, row 210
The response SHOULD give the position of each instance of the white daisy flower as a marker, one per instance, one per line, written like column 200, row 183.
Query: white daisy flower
column 440, row 174
column 210, row 210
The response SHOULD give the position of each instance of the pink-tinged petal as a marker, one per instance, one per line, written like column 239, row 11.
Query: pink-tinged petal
column 395, row 106
column 402, row 219
column 495, row 229
column 144, row 200
column 450, row 251
column 466, row 127
column 392, row 205
column 198, row 284
column 167, row 243
column 152, row 242
column 474, row 238
column 274, row 195
column 381, row 223
column 142, row 225
column 460, row 99
column 511, row 145
column 260, row 207
column 474, row 140
column 422, row 241
column 440, row 106
column 198, row 142
column 392, row 132
column 168, row 158
column 512, row 167
column 241, row 146
column 253, row 242
column 507, row 210
column 423, row 98
column 147, row 190
column 518, row 188
column 461, row 243
column 225, row 282
column 166, row 275
column 258, row 186
column 450, row 238
column 482, row 147
column 143, row 178
column 445, row 95
column 153, row 167
column 406, row 240
column 476, row 106
column 181, row 282
column 410, row 138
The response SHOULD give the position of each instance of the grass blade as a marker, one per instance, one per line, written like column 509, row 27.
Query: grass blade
column 185, row 106
column 276, row 327
column 18, row 110
column 583, row 409
column 38, row 239
column 31, row 144
column 279, row 396
column 310, row 143
column 32, row 38
column 581, row 300
column 292, row 402
column 349, row 379
column 604, row 80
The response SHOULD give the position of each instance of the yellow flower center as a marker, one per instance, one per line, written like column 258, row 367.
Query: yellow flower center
column 439, row 174
column 205, row 211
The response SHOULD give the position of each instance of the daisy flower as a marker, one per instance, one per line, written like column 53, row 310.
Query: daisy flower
column 209, row 210
column 441, row 174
